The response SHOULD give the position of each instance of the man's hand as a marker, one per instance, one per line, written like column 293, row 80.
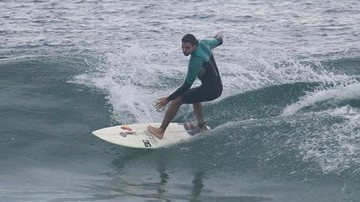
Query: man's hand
column 161, row 103
column 219, row 36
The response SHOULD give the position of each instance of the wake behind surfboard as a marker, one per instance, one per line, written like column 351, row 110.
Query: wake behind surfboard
column 137, row 135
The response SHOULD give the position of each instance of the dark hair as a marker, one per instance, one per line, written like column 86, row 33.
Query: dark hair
column 189, row 38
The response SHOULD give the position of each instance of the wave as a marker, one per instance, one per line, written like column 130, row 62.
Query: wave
column 250, row 132
column 301, row 129
column 305, row 146
column 135, row 79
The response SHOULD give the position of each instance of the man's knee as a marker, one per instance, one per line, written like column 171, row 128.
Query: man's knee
column 198, row 104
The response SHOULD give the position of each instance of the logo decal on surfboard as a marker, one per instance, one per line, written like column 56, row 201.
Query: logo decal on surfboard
column 127, row 131
column 146, row 143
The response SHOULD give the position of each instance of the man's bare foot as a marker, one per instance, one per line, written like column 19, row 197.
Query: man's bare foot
column 156, row 132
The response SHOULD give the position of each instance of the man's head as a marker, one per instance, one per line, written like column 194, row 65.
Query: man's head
column 189, row 44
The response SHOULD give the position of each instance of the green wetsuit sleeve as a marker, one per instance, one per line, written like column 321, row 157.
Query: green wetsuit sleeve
column 213, row 43
column 195, row 65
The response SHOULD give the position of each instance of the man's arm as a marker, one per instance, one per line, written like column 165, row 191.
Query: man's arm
column 195, row 65
column 179, row 91
column 217, row 41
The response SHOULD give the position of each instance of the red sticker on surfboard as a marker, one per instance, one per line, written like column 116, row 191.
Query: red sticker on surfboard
column 128, row 131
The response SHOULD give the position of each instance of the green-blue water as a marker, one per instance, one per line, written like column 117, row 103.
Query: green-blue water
column 287, row 127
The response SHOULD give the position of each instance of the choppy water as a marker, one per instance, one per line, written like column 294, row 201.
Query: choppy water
column 287, row 127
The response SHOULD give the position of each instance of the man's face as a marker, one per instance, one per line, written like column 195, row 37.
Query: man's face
column 187, row 48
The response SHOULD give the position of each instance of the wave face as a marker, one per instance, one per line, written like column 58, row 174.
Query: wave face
column 286, row 127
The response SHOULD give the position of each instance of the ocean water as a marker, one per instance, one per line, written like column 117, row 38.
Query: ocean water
column 286, row 128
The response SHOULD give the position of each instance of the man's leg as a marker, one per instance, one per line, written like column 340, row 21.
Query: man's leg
column 199, row 114
column 169, row 115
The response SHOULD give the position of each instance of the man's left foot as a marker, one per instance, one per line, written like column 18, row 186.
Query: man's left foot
column 202, row 126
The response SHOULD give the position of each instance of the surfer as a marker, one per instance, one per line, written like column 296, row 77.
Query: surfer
column 202, row 65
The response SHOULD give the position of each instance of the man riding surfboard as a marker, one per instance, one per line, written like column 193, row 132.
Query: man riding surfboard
column 202, row 65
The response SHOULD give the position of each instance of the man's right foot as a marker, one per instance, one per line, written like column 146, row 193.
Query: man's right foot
column 157, row 132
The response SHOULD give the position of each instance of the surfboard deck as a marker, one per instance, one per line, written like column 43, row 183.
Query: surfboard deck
column 137, row 135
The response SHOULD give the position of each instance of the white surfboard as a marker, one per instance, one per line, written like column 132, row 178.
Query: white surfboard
column 137, row 135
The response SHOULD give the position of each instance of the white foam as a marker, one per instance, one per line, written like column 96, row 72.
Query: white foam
column 126, row 78
column 260, row 68
column 336, row 146
column 338, row 93
column 133, row 77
